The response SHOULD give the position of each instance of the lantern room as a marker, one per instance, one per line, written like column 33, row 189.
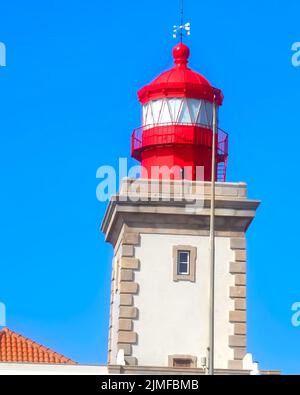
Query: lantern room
column 177, row 125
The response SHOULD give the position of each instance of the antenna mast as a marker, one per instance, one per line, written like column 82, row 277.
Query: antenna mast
column 181, row 18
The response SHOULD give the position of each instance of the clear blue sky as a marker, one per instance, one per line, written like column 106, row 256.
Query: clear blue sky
column 68, row 105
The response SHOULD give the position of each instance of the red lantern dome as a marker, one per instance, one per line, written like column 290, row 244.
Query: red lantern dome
column 176, row 130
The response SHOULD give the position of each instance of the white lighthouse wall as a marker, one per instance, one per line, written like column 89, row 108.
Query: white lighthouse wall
column 115, row 327
column 115, row 305
column 174, row 316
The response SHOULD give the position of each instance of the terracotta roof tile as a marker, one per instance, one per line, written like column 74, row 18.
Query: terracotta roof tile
column 19, row 349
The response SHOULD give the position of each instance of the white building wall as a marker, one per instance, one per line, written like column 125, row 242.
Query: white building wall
column 48, row 369
column 115, row 326
column 174, row 316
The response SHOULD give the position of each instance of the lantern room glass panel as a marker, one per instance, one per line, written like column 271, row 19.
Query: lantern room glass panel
column 194, row 106
column 165, row 116
column 156, row 106
column 174, row 106
column 209, row 113
column 184, row 115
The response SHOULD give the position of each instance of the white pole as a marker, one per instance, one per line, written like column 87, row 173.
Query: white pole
column 212, row 243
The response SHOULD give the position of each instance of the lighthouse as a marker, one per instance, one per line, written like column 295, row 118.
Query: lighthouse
column 160, row 292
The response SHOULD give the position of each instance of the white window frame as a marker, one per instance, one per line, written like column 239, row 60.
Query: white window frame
column 187, row 263
column 191, row 275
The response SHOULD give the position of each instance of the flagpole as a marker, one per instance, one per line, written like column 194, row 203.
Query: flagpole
column 212, row 244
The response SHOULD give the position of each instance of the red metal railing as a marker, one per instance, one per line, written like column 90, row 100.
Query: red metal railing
column 149, row 136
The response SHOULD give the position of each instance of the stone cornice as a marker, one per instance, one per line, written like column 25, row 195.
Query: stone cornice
column 234, row 212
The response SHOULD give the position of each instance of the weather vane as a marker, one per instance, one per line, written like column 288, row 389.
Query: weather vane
column 183, row 29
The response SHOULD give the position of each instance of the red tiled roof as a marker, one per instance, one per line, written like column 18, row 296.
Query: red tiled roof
column 19, row 349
